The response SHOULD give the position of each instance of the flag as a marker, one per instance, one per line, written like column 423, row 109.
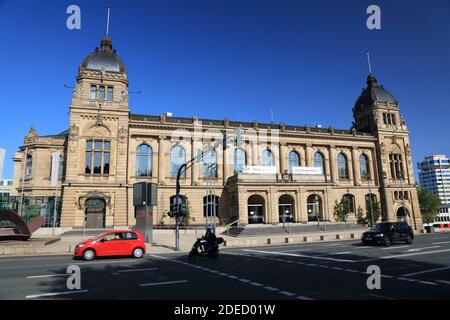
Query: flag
column 55, row 168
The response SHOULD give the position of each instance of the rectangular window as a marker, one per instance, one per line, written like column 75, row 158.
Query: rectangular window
column 110, row 93
column 97, row 157
column 93, row 92
column 101, row 93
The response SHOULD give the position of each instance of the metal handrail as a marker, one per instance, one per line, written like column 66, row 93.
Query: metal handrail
column 230, row 224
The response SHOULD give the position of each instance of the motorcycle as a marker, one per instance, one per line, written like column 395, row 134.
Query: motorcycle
column 201, row 249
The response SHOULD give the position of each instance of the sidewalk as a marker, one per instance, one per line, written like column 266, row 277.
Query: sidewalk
column 165, row 242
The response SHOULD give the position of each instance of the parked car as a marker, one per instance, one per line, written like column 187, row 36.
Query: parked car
column 112, row 243
column 387, row 233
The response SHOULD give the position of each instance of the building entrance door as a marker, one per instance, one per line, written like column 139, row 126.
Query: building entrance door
column 95, row 213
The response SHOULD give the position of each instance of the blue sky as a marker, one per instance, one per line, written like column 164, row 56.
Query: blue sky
column 234, row 58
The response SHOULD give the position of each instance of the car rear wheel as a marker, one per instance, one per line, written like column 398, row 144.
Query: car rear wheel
column 409, row 239
column 138, row 253
column 387, row 241
column 88, row 255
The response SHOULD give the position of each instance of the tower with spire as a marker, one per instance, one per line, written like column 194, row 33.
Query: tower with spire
column 377, row 112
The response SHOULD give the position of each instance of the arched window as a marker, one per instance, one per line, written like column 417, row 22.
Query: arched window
column 342, row 166
column 239, row 160
column 29, row 168
column 267, row 158
column 177, row 159
column 348, row 201
column 364, row 167
column 319, row 161
column 209, row 165
column 294, row 160
column 144, row 161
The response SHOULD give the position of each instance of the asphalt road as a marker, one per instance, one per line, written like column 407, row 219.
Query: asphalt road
column 331, row 270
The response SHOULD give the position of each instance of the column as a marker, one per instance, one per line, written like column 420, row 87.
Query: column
column 356, row 171
column 308, row 154
column 333, row 169
column 226, row 165
column 195, row 166
column 254, row 153
column 283, row 157
column 161, row 160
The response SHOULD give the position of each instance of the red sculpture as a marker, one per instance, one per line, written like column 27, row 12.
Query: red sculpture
column 21, row 230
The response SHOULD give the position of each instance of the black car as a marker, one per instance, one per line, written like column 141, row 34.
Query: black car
column 388, row 232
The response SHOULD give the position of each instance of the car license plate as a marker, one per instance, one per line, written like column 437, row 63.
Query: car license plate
column 368, row 238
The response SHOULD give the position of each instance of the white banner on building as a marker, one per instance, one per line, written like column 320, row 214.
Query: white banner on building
column 307, row 170
column 55, row 168
column 260, row 169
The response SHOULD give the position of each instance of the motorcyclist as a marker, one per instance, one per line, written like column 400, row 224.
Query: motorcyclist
column 210, row 239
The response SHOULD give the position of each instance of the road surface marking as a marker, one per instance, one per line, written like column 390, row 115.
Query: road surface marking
column 406, row 279
column 352, row 270
column 426, row 271
column 287, row 293
column 427, row 282
column 304, row 298
column 256, row 284
column 334, row 245
column 249, row 282
column 271, row 288
column 300, row 255
column 51, row 294
column 137, row 270
column 423, row 248
column 443, row 281
column 395, row 247
column 162, row 283
column 404, row 255
column 343, row 252
column 295, row 250
column 48, row 276
column 337, row 268
column 440, row 242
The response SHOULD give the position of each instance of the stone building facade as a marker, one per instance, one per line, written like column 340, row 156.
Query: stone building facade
column 107, row 149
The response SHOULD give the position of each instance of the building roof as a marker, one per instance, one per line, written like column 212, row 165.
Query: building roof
column 104, row 58
column 236, row 124
column 374, row 93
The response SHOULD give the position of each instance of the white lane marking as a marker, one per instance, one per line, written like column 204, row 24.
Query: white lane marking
column 337, row 268
column 271, row 288
column 352, row 270
column 229, row 276
column 425, row 271
column 427, row 282
column 48, row 276
column 295, row 250
column 103, row 262
column 256, row 284
column 343, row 252
column 443, row 281
column 423, row 248
column 395, row 247
column 440, row 242
column 334, row 245
column 404, row 255
column 406, row 279
column 304, row 298
column 287, row 293
column 300, row 255
column 137, row 270
column 51, row 294
column 162, row 283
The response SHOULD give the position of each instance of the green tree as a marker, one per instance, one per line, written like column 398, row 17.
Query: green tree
column 374, row 209
column 342, row 210
column 429, row 205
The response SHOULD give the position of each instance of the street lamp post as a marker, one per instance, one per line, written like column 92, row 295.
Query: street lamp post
column 366, row 176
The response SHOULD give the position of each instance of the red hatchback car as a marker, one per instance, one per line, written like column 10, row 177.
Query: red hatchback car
column 112, row 243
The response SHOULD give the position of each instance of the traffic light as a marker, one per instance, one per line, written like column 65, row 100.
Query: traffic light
column 224, row 141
